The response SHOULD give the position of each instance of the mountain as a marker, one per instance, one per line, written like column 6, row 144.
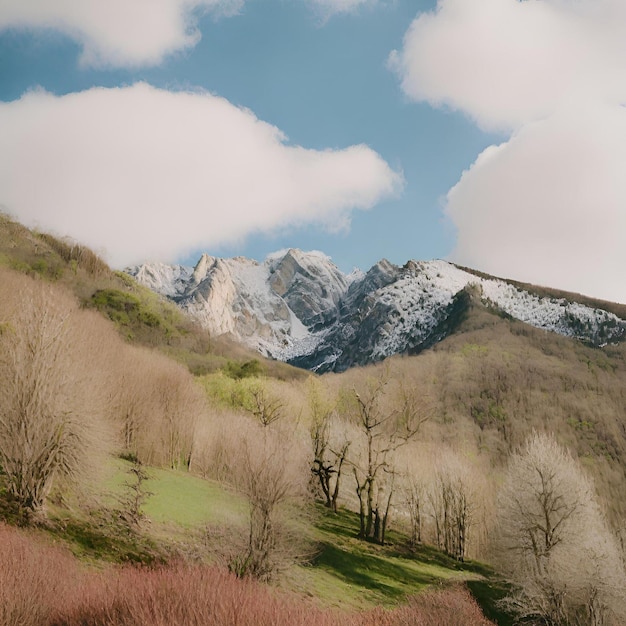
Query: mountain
column 299, row 307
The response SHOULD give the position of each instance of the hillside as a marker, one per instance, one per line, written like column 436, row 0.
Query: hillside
column 232, row 466
column 140, row 316
column 495, row 379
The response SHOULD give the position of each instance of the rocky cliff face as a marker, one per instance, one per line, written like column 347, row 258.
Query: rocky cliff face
column 299, row 307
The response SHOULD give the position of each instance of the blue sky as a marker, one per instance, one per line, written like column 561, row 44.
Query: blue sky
column 465, row 143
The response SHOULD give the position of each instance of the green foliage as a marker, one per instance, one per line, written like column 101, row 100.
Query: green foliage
column 247, row 369
column 229, row 392
column 121, row 307
column 39, row 267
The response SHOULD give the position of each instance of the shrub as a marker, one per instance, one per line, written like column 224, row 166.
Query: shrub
column 41, row 585
column 34, row 579
column 202, row 596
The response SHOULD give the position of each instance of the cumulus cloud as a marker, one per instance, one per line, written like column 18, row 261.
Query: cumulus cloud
column 118, row 32
column 548, row 204
column 145, row 173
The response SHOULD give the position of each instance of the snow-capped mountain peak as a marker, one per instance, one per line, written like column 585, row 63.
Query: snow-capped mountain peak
column 299, row 307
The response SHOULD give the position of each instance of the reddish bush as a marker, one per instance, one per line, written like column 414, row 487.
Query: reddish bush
column 183, row 594
column 34, row 579
column 201, row 596
column 43, row 586
column 453, row 606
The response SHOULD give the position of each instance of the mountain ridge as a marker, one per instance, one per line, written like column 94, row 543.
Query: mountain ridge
column 300, row 308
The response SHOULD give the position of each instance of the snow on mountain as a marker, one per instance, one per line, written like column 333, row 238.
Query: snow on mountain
column 270, row 306
column 299, row 307
column 168, row 280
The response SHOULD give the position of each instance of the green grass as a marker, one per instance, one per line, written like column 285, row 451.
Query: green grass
column 344, row 572
column 178, row 498
column 190, row 501
column 350, row 572
column 178, row 511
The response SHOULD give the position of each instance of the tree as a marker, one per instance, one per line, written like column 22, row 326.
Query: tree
column 384, row 428
column 132, row 403
column 180, row 403
column 50, row 384
column 134, row 497
column 265, row 407
column 270, row 473
column 554, row 543
column 413, row 490
column 453, row 499
column 329, row 452
column 156, row 404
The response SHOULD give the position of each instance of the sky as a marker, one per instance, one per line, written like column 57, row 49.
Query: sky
column 491, row 133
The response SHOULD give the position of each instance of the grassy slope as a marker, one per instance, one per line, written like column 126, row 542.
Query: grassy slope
column 345, row 572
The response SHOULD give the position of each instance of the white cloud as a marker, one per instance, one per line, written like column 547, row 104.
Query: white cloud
column 549, row 204
column 118, row 32
column 145, row 173
column 132, row 33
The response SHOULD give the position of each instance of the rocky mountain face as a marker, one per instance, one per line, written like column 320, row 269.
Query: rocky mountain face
column 299, row 307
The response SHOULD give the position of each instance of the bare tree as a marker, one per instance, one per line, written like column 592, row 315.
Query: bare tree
column 385, row 427
column 453, row 499
column 553, row 541
column 413, row 488
column 134, row 497
column 50, row 383
column 265, row 407
column 329, row 452
column 271, row 475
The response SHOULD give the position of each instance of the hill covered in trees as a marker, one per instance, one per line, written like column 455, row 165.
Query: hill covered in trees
column 501, row 443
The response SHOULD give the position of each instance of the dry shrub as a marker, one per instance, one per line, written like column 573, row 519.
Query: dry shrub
column 34, row 579
column 272, row 473
column 76, row 254
column 453, row 606
column 43, row 586
column 155, row 404
column 218, row 439
column 53, row 376
column 201, row 596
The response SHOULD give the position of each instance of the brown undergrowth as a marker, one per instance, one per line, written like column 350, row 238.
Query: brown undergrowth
column 41, row 585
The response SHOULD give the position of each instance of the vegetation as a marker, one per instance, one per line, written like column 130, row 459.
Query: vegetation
column 501, row 444
column 41, row 585
column 141, row 317
column 554, row 541
column 49, row 390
